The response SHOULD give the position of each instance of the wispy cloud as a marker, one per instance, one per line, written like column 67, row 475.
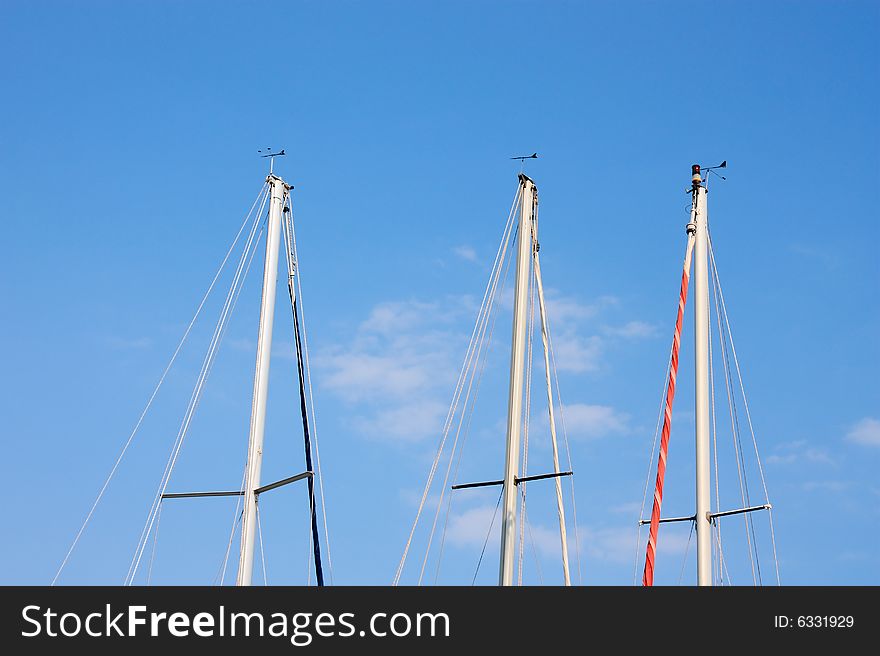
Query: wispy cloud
column 406, row 422
column 594, row 421
column 466, row 253
column 628, row 508
column 470, row 528
column 799, row 451
column 826, row 486
column 865, row 432
column 577, row 354
column 612, row 544
column 394, row 317
column 575, row 350
column 632, row 330
column 562, row 309
column 399, row 367
column 578, row 343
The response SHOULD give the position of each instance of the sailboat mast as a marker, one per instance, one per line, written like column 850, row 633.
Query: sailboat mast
column 277, row 191
column 528, row 193
column 700, row 219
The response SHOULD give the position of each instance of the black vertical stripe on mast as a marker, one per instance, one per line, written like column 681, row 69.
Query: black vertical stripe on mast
column 316, row 543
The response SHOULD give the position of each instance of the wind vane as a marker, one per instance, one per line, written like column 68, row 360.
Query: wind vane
column 523, row 158
column 723, row 165
column 268, row 153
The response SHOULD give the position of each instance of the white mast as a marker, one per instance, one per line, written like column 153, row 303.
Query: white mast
column 700, row 219
column 278, row 189
column 517, row 365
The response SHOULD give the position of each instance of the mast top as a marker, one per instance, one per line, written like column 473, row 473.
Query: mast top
column 524, row 178
column 272, row 177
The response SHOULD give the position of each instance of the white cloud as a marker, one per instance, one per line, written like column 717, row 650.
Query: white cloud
column 799, row 451
column 574, row 351
column 619, row 544
column 398, row 317
column 866, row 432
column 633, row 330
column 399, row 367
column 612, row 544
column 470, row 528
column 402, row 350
column 628, row 508
column 565, row 310
column 594, row 421
column 358, row 376
column 409, row 422
column 577, row 354
column 466, row 253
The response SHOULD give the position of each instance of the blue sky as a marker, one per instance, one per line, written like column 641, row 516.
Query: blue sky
column 128, row 159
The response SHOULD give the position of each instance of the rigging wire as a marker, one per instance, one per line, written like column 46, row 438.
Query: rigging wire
column 457, row 391
column 310, row 554
column 551, row 418
column 577, row 541
column 262, row 553
column 153, row 553
column 222, row 325
column 219, row 331
column 687, row 548
column 468, row 398
column 236, row 518
column 470, row 413
column 308, row 375
column 291, row 271
column 222, row 573
column 745, row 401
column 716, row 524
column 152, row 397
column 650, row 463
column 488, row 534
column 456, row 395
column 740, row 458
column 311, row 403
column 528, row 524
column 723, row 565
column 528, row 407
